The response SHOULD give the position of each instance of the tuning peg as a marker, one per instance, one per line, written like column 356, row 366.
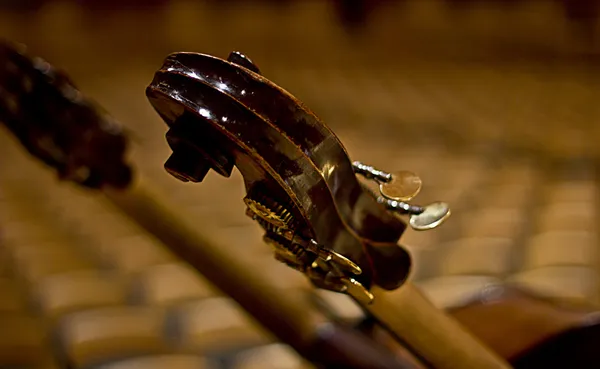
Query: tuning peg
column 403, row 186
column 370, row 172
column 339, row 261
column 432, row 216
column 422, row 218
column 398, row 186
column 187, row 165
column 184, row 134
column 355, row 289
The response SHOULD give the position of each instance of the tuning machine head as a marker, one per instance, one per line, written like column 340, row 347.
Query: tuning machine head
column 421, row 218
column 399, row 187
column 223, row 113
column 326, row 268
column 402, row 186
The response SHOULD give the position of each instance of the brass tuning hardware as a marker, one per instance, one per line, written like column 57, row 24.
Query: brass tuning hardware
column 395, row 189
column 325, row 267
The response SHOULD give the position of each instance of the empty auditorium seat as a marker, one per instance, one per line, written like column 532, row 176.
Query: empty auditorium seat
column 60, row 294
column 167, row 284
column 275, row 356
column 97, row 336
column 477, row 256
column 216, row 324
column 172, row 361
column 134, row 253
column 561, row 248
column 35, row 262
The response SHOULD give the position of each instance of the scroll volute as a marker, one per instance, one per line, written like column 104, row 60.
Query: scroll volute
column 301, row 185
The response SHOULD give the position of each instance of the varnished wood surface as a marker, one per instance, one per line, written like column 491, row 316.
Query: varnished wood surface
column 284, row 152
column 528, row 321
column 394, row 103
column 265, row 147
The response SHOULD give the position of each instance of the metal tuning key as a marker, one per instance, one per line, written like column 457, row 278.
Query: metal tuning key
column 370, row 172
column 399, row 187
column 421, row 218
column 325, row 267
column 403, row 186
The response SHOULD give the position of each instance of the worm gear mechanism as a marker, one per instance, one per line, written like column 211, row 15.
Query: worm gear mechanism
column 269, row 211
column 278, row 223
column 326, row 268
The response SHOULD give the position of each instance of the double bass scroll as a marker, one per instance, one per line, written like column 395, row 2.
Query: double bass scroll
column 64, row 129
column 301, row 186
column 303, row 190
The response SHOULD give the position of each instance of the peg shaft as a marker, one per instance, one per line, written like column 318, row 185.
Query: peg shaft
column 370, row 172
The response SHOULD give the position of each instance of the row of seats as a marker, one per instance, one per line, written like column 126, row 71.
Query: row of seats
column 541, row 241
column 446, row 99
column 83, row 286
column 561, row 255
column 101, row 290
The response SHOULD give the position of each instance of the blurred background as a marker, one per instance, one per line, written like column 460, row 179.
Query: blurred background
column 493, row 103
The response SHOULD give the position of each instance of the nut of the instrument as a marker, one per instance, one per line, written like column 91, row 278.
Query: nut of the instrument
column 433, row 215
column 403, row 186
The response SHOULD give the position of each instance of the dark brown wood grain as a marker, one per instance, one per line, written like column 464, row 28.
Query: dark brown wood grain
column 282, row 149
column 220, row 115
column 59, row 127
